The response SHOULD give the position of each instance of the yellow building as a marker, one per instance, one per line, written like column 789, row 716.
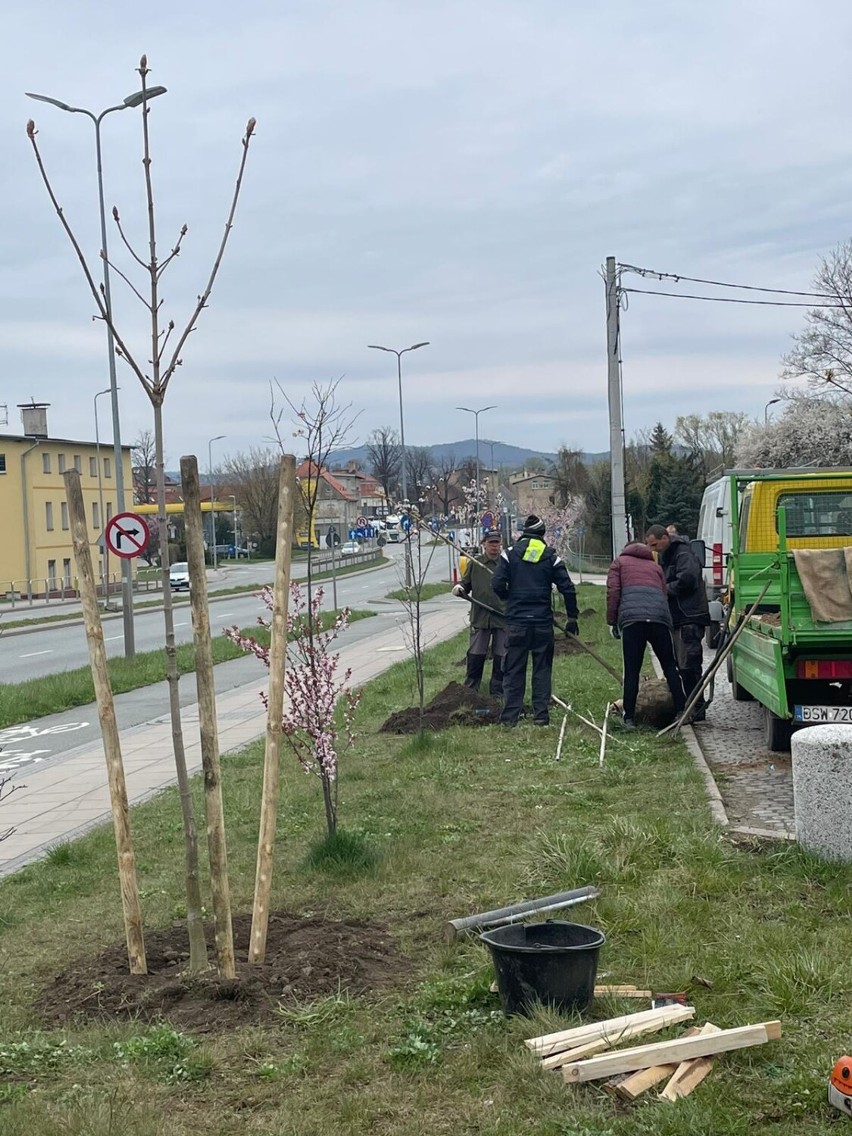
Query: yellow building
column 36, row 553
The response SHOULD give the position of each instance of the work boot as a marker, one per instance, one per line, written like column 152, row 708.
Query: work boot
column 628, row 724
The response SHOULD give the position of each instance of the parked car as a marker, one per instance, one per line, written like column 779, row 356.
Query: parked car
column 228, row 550
column 350, row 548
column 179, row 577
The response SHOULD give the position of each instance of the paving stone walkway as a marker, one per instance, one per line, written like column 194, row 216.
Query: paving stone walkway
column 756, row 785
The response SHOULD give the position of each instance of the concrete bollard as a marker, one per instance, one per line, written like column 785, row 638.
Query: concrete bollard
column 822, row 790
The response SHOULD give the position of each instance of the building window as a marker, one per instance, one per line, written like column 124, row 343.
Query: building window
column 51, row 575
column 96, row 517
column 78, row 463
column 61, row 463
column 66, row 571
column 63, row 512
column 107, row 467
column 93, row 467
column 2, row 463
column 45, row 463
column 48, row 515
column 107, row 511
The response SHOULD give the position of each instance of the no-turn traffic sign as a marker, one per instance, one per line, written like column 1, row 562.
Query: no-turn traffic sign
column 126, row 535
column 361, row 522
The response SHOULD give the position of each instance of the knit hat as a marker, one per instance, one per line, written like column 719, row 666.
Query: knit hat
column 493, row 534
column 534, row 525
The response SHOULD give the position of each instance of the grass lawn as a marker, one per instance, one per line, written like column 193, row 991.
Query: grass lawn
column 462, row 821
column 427, row 592
column 49, row 694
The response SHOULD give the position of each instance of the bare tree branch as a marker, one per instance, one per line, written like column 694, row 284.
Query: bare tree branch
column 175, row 251
column 126, row 242
column 126, row 280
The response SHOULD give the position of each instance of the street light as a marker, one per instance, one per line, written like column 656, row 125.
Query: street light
column 218, row 438
column 399, row 355
column 771, row 402
column 233, row 497
column 138, row 98
column 476, row 414
column 103, row 519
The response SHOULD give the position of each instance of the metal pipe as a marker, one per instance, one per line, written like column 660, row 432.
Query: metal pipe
column 503, row 915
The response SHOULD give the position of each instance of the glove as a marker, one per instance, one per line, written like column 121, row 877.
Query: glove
column 459, row 591
column 572, row 627
column 614, row 632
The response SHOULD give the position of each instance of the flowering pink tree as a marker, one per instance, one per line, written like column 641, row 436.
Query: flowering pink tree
column 561, row 525
column 319, row 704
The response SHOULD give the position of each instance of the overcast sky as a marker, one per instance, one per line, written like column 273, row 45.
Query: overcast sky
column 426, row 170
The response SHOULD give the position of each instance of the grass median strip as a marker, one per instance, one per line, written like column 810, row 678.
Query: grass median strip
column 50, row 694
column 465, row 820
column 427, row 592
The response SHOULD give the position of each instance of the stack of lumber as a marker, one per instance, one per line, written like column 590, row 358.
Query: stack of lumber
column 588, row 1053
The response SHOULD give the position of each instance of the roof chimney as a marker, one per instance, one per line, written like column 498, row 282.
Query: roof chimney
column 34, row 418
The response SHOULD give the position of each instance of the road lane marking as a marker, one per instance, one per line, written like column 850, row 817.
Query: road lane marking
column 32, row 654
column 112, row 638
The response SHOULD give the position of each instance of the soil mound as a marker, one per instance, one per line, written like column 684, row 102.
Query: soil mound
column 654, row 703
column 455, row 705
column 306, row 959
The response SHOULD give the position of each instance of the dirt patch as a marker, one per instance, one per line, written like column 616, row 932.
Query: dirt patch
column 455, row 705
column 654, row 704
column 306, row 959
column 562, row 645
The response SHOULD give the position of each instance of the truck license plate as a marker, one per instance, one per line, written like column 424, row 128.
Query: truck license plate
column 822, row 714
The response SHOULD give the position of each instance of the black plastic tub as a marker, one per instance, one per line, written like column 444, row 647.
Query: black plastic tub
column 553, row 963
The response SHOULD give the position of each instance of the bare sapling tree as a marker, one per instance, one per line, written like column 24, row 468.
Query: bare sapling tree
column 6, row 791
column 419, row 558
column 322, row 423
column 155, row 377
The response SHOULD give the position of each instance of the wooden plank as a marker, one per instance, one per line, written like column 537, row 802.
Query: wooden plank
column 621, row 992
column 557, row 1060
column 567, row 1039
column 634, row 1084
column 682, row 1049
column 610, row 1040
column 689, row 1074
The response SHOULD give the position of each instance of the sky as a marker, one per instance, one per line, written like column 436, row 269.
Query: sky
column 454, row 171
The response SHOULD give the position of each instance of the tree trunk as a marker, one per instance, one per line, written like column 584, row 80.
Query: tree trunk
column 274, row 711
column 195, row 926
column 109, row 727
column 216, row 845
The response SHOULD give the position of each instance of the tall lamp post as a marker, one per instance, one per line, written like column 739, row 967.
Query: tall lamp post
column 103, row 519
column 771, row 402
column 134, row 100
column 476, row 414
column 399, row 355
column 233, row 497
column 218, row 438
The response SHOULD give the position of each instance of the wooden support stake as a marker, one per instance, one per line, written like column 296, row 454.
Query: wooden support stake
column 682, row 1049
column 567, row 1039
column 615, row 1037
column 632, row 1085
column 559, row 1059
column 603, row 737
column 109, row 727
column 208, row 726
column 561, row 737
column 689, row 1074
column 275, row 710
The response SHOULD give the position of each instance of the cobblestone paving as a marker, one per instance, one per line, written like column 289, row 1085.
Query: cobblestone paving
column 756, row 785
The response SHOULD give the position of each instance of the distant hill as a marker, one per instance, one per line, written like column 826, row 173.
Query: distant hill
column 504, row 454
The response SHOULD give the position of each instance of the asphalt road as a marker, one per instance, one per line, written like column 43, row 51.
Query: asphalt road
column 51, row 649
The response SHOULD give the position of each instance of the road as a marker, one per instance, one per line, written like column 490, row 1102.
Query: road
column 50, row 649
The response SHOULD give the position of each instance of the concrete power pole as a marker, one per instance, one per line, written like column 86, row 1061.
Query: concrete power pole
column 616, row 427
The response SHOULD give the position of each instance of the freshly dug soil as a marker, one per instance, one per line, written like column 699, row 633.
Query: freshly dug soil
column 455, row 705
column 654, row 704
column 306, row 959
column 564, row 646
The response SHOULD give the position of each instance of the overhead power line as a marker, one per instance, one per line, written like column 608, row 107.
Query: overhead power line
column 730, row 299
column 676, row 276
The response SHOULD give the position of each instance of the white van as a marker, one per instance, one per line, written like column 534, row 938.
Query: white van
column 714, row 528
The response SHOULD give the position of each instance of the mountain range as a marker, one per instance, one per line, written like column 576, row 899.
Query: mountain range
column 500, row 453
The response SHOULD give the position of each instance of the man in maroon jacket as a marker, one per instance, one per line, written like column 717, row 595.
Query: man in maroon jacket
column 637, row 611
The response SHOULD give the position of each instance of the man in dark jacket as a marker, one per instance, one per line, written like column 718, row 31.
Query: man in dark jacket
column 687, row 603
column 487, row 626
column 637, row 610
column 524, row 577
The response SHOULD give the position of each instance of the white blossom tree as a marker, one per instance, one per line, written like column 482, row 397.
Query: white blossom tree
column 811, row 431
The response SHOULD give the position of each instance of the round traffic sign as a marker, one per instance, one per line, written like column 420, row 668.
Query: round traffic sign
column 126, row 535
column 361, row 522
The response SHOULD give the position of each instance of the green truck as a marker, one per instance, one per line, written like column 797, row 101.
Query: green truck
column 797, row 666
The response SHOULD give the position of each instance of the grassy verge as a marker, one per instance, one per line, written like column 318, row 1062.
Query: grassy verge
column 462, row 821
column 35, row 698
column 427, row 592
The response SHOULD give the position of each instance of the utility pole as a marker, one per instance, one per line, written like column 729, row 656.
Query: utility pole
column 618, row 511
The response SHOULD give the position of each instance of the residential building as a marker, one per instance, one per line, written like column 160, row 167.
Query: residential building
column 534, row 492
column 370, row 495
column 36, row 554
column 336, row 506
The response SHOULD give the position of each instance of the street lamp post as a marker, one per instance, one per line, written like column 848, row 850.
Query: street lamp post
column 233, row 497
column 134, row 100
column 771, row 402
column 218, row 438
column 399, row 355
column 103, row 518
column 476, row 414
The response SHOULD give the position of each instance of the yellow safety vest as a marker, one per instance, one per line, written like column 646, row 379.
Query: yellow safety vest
column 534, row 551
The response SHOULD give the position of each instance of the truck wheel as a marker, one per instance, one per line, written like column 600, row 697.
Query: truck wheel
column 777, row 731
column 738, row 693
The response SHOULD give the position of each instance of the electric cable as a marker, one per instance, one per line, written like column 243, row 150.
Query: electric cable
column 731, row 299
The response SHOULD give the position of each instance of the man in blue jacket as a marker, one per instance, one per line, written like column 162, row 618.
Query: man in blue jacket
column 524, row 577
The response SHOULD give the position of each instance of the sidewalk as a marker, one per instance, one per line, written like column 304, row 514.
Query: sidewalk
column 66, row 799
